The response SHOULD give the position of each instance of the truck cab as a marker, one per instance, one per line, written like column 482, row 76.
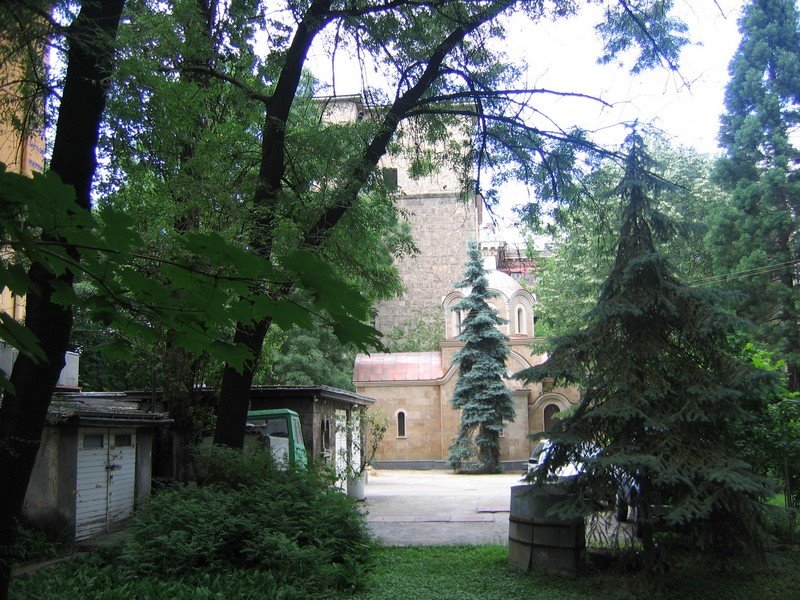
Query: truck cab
column 279, row 430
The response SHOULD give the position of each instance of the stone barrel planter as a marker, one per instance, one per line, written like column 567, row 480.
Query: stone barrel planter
column 539, row 541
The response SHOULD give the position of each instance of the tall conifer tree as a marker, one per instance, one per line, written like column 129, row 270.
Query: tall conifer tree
column 756, row 238
column 480, row 394
column 661, row 392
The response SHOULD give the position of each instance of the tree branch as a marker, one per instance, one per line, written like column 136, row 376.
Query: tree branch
column 205, row 70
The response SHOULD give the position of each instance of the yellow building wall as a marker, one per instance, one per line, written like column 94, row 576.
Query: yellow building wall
column 420, row 403
column 22, row 154
column 432, row 424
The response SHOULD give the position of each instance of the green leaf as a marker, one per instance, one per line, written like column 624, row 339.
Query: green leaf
column 20, row 337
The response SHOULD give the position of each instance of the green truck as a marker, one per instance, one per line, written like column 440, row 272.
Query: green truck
column 279, row 430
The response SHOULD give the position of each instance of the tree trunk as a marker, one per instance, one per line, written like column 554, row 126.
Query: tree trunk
column 234, row 395
column 23, row 411
column 234, row 401
column 234, row 398
column 489, row 450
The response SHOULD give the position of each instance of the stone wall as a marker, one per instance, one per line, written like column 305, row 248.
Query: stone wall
column 431, row 423
column 442, row 221
column 442, row 225
column 420, row 403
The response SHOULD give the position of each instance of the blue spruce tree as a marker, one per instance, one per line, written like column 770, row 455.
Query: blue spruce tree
column 481, row 394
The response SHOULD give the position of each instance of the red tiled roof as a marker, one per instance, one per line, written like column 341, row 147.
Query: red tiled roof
column 399, row 366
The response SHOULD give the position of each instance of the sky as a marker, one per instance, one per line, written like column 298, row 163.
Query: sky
column 562, row 55
column 686, row 105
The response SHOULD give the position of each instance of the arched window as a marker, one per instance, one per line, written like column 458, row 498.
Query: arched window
column 550, row 412
column 401, row 424
column 520, row 319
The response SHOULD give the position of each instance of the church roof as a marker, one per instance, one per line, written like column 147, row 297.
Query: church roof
column 398, row 366
column 502, row 282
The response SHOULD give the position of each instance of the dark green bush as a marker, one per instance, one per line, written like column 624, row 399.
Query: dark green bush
column 250, row 515
column 33, row 544
column 92, row 578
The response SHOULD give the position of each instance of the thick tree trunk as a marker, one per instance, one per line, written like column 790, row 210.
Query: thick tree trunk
column 23, row 412
column 234, row 401
column 235, row 393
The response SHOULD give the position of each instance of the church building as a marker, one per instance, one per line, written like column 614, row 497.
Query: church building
column 414, row 389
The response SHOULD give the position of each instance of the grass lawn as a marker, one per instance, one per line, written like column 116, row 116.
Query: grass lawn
column 480, row 572
column 419, row 573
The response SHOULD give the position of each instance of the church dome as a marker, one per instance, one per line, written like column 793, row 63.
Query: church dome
column 515, row 304
column 497, row 280
column 502, row 282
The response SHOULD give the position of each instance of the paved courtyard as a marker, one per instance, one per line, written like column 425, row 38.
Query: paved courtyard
column 432, row 508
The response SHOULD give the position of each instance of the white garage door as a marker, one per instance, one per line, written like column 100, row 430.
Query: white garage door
column 106, row 479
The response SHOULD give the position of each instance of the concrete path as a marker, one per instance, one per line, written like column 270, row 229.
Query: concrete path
column 433, row 508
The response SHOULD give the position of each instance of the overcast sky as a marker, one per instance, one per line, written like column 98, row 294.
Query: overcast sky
column 687, row 107
column 562, row 55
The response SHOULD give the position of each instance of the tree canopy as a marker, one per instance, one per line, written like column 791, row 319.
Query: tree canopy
column 662, row 391
column 584, row 232
column 755, row 237
column 281, row 223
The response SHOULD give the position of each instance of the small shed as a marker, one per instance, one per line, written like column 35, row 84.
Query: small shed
column 323, row 413
column 93, row 464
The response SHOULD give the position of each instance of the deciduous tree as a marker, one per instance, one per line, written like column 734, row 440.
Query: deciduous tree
column 443, row 66
column 23, row 411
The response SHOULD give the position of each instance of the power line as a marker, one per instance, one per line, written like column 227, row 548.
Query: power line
column 762, row 270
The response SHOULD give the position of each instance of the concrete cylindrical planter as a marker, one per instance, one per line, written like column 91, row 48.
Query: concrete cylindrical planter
column 355, row 486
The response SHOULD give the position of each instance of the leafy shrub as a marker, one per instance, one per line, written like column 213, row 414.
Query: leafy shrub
column 233, row 468
column 33, row 544
column 250, row 515
column 780, row 521
column 91, row 578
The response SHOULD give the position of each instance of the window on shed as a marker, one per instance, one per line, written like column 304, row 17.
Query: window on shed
column 92, row 440
column 390, row 179
column 401, row 424
column 122, row 440
column 326, row 435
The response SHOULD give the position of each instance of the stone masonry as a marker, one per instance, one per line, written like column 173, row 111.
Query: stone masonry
column 442, row 225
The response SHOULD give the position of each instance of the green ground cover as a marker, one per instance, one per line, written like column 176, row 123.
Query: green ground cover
column 467, row 573
column 420, row 573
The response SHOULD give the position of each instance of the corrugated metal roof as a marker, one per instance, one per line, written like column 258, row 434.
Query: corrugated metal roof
column 398, row 366
column 308, row 392
column 101, row 407
column 62, row 411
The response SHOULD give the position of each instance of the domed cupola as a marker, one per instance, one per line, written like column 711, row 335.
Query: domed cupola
column 513, row 303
